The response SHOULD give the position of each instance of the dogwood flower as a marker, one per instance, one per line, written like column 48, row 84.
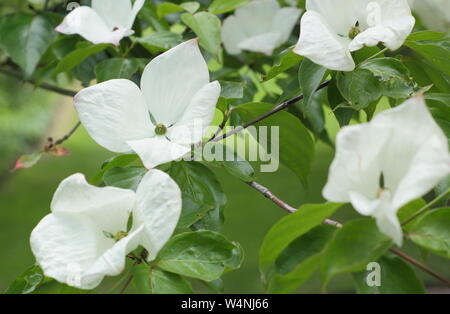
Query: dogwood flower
column 161, row 120
column 434, row 14
column 331, row 30
column 382, row 165
column 106, row 22
column 259, row 26
column 85, row 237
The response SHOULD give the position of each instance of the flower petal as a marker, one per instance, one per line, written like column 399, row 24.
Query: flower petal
column 65, row 246
column 75, row 196
column 158, row 208
column 389, row 224
column 158, row 150
column 284, row 21
column 255, row 16
column 88, row 24
column 320, row 43
column 113, row 113
column 395, row 24
column 264, row 43
column 232, row 35
column 171, row 80
column 115, row 13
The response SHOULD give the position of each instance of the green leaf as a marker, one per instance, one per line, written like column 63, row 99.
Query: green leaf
column 151, row 280
column 28, row 281
column 296, row 146
column 432, row 232
column 124, row 177
column 27, row 161
column 168, row 8
column 77, row 56
column 433, row 52
column 360, row 88
column 204, row 255
column 290, row 228
column 162, row 40
column 409, row 209
column 354, row 245
column 26, row 38
column 203, row 197
column 116, row 68
column 115, row 161
column 287, row 60
column 393, row 75
column 336, row 102
column 310, row 75
column 426, row 36
column 297, row 262
column 207, row 27
column 223, row 6
column 396, row 277
column 232, row 90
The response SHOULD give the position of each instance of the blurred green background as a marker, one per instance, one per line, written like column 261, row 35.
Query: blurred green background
column 29, row 116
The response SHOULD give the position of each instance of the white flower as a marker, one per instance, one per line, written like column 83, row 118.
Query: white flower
column 260, row 26
column 331, row 30
column 106, row 22
column 85, row 237
column 176, row 95
column 404, row 147
column 434, row 14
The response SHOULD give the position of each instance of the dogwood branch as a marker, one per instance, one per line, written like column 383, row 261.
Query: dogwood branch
column 52, row 88
column 288, row 208
column 65, row 137
column 278, row 108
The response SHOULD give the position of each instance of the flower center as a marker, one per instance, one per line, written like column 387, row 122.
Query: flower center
column 119, row 235
column 354, row 31
column 160, row 129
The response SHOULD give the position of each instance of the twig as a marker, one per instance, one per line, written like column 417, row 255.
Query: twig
column 420, row 265
column 45, row 86
column 65, row 137
column 426, row 207
column 283, row 205
column 278, row 108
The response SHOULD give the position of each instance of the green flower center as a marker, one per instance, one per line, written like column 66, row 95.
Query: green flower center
column 354, row 31
column 160, row 129
column 119, row 235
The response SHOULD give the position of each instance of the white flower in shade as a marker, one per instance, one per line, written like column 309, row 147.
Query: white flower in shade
column 260, row 26
column 108, row 21
column 382, row 165
column 331, row 30
column 85, row 237
column 434, row 14
column 160, row 121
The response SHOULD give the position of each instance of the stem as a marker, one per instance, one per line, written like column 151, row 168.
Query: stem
column 278, row 108
column 66, row 137
column 268, row 194
column 127, row 283
column 375, row 55
column 426, row 207
column 420, row 265
column 45, row 86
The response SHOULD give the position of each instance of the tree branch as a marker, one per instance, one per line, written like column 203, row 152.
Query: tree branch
column 52, row 88
column 286, row 207
column 65, row 137
column 278, row 108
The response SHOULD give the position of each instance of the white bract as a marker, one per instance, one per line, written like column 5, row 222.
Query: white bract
column 106, row 22
column 85, row 237
column 160, row 121
column 331, row 30
column 260, row 26
column 382, row 165
column 434, row 14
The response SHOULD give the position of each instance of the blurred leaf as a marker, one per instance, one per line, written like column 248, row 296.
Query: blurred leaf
column 26, row 38
column 296, row 146
column 203, row 197
column 162, row 40
column 207, row 27
column 204, row 255
column 310, row 75
column 116, row 68
column 298, row 261
column 433, row 52
column 431, row 231
column 124, row 177
column 223, row 6
column 168, row 8
column 58, row 151
column 336, row 101
column 27, row 161
column 232, row 90
column 409, row 209
column 356, row 244
column 28, row 281
column 115, row 161
column 151, row 280
column 287, row 60
column 397, row 277
column 77, row 56
column 290, row 228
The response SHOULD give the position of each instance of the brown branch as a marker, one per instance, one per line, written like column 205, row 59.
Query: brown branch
column 278, row 108
column 64, row 138
column 45, row 86
column 288, row 208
